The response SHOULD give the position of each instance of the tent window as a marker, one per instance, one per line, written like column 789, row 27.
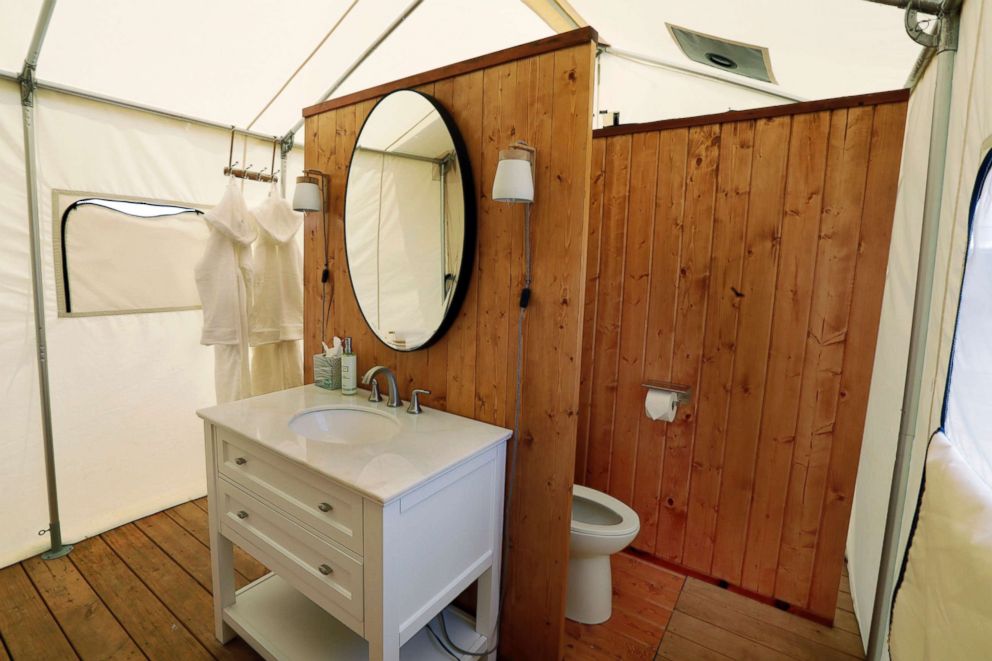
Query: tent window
column 968, row 403
column 119, row 256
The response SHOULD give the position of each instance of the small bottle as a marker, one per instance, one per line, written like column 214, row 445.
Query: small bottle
column 349, row 370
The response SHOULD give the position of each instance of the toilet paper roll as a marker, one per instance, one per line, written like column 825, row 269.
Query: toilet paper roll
column 660, row 405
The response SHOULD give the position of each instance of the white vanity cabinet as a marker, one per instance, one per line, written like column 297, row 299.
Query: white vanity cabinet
column 363, row 560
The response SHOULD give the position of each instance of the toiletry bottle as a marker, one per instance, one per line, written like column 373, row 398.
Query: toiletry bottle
column 349, row 370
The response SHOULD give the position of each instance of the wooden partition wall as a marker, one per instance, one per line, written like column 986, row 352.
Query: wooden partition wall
column 744, row 255
column 542, row 93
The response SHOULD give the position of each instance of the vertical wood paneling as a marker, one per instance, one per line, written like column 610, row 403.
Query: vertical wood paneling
column 690, row 324
column 545, row 99
column 596, row 198
column 797, row 262
column 719, row 341
column 637, row 268
column 869, row 283
column 605, row 357
column 847, row 164
column 755, row 300
column 660, row 331
column 756, row 279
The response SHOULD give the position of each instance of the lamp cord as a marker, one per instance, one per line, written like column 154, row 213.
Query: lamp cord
column 524, row 301
column 325, row 276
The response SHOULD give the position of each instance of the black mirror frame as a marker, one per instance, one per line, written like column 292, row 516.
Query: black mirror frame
column 469, row 234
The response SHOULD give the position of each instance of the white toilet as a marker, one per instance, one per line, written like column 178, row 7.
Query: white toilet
column 601, row 526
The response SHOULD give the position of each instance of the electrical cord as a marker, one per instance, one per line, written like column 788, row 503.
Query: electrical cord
column 440, row 642
column 514, row 445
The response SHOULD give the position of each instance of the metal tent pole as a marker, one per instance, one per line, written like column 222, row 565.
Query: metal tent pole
column 944, row 42
column 28, row 88
column 288, row 138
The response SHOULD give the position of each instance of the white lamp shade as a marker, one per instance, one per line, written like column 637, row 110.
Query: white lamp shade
column 306, row 197
column 514, row 181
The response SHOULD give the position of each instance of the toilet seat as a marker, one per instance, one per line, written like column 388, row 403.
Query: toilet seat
column 629, row 521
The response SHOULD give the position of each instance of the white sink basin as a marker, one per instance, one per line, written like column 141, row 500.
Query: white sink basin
column 344, row 425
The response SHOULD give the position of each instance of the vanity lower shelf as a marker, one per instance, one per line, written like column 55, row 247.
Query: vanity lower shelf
column 282, row 623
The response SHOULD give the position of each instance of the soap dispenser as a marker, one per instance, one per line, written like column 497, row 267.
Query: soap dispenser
column 349, row 370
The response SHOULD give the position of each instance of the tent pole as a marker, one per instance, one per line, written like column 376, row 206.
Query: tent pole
column 946, row 46
column 288, row 138
column 28, row 88
column 932, row 7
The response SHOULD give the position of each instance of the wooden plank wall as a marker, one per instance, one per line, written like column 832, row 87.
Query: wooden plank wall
column 545, row 99
column 744, row 256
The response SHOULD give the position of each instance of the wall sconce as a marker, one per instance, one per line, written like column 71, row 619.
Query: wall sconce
column 514, row 183
column 514, row 180
column 310, row 190
column 310, row 195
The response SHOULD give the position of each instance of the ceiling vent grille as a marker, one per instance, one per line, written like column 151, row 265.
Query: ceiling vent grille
column 731, row 56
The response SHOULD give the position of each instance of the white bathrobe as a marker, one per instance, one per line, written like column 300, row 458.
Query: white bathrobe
column 276, row 315
column 224, row 280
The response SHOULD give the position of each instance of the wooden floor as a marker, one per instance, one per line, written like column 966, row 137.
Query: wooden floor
column 138, row 591
column 662, row 616
column 143, row 591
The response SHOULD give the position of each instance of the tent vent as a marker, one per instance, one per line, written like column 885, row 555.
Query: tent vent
column 733, row 56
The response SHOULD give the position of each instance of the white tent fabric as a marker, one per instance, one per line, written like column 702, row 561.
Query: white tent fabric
column 970, row 130
column 943, row 610
column 969, row 396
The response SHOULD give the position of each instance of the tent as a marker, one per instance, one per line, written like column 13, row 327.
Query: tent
column 138, row 102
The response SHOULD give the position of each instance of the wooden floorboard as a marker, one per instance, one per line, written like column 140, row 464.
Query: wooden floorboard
column 156, row 630
column 28, row 628
column 644, row 596
column 87, row 622
column 175, row 588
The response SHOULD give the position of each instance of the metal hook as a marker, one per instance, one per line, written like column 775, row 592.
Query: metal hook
column 230, row 150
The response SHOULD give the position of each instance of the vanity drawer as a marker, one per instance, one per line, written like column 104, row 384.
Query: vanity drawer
column 328, row 573
column 315, row 501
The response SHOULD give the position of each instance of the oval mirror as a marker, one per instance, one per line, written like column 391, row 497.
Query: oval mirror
column 409, row 220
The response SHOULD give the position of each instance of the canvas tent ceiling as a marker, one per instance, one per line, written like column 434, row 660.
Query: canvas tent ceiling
column 225, row 60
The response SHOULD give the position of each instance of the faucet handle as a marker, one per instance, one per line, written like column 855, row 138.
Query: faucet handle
column 414, row 407
column 376, row 396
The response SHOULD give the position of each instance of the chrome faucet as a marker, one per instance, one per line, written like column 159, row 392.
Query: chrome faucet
column 394, row 392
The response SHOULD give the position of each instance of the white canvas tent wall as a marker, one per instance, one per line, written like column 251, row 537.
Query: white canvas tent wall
column 124, row 388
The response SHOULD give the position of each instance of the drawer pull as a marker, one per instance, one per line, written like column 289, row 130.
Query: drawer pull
column 325, row 507
column 325, row 569
column 241, row 461
column 242, row 514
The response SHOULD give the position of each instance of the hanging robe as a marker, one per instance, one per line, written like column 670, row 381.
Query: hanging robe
column 276, row 315
column 224, row 281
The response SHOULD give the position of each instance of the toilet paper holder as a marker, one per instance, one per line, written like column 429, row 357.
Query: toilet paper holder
column 683, row 393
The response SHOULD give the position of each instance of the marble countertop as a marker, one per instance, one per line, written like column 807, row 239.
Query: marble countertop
column 426, row 446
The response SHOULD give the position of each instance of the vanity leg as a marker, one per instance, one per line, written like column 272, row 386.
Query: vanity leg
column 222, row 564
column 221, row 548
column 382, row 650
column 487, row 601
